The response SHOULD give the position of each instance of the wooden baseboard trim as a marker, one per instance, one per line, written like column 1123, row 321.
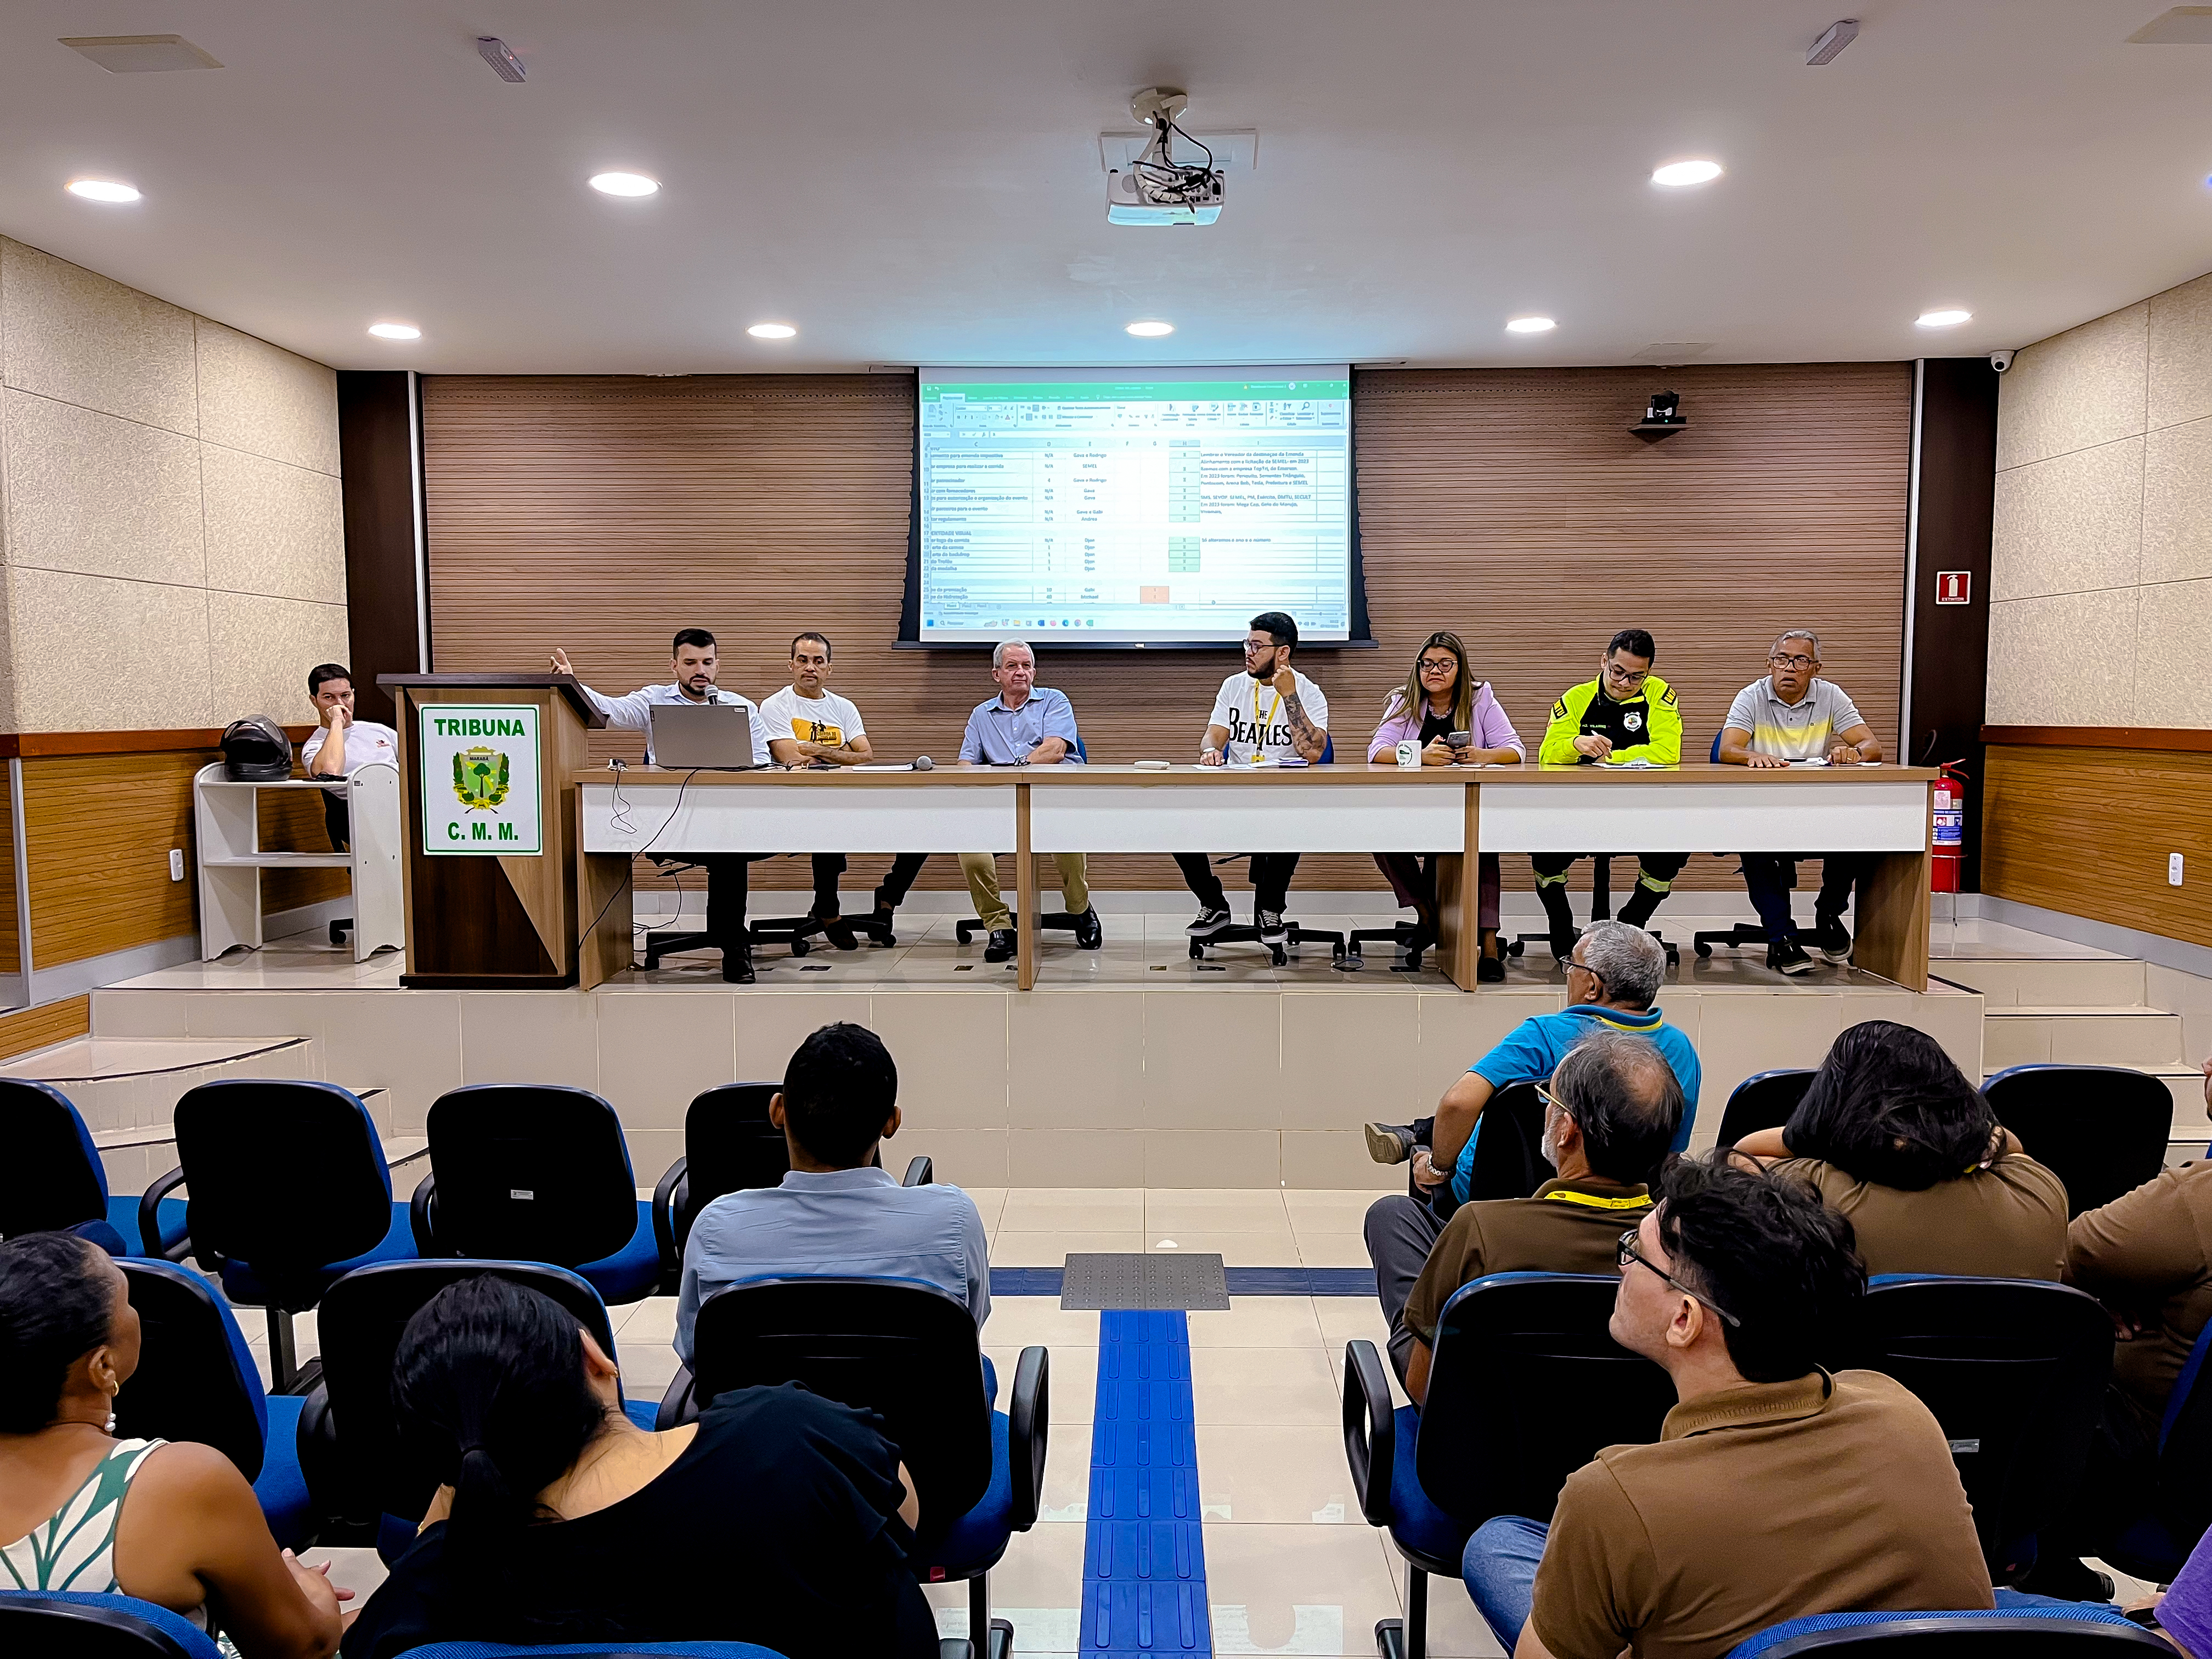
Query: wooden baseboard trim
column 2175, row 740
column 38, row 1028
column 33, row 744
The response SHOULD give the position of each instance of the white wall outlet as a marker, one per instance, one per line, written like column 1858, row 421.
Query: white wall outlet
column 2173, row 869
column 177, row 863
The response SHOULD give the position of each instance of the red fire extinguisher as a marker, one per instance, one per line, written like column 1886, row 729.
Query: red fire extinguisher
column 1950, row 807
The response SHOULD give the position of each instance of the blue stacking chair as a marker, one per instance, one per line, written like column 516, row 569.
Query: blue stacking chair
column 2155, row 1546
column 58, row 1182
column 537, row 1172
column 356, row 1466
column 910, row 1353
column 196, row 1381
column 1763, row 1100
column 2076, row 1630
column 1525, row 1386
column 73, row 1625
column 287, row 1194
column 2100, row 1129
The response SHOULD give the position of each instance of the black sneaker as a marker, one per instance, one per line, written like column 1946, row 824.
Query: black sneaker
column 737, row 967
column 1489, row 970
column 1830, row 941
column 1269, row 923
column 1090, row 931
column 1209, row 921
column 1788, row 957
column 1389, row 1143
column 999, row 947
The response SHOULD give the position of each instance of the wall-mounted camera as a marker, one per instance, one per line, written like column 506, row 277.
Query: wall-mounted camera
column 2002, row 361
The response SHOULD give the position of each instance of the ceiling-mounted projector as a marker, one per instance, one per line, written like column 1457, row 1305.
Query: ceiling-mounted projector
column 1157, row 189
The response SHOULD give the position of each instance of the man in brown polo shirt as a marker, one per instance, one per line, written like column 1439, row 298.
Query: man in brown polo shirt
column 1775, row 1490
column 1609, row 1115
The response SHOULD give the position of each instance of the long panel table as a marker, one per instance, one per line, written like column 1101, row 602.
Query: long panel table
column 1456, row 811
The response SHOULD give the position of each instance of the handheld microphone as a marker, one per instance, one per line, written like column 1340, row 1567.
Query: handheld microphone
column 923, row 763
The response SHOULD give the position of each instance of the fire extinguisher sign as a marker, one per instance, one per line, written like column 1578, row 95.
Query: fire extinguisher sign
column 1955, row 586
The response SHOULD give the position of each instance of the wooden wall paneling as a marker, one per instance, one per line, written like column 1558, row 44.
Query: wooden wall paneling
column 600, row 514
column 2087, row 831
column 28, row 1029
column 292, row 822
column 10, row 953
column 98, row 828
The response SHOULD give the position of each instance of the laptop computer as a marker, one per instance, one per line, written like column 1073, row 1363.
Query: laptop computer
column 713, row 736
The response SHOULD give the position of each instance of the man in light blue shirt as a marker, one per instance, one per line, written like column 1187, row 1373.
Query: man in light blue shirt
column 834, row 1215
column 1025, row 725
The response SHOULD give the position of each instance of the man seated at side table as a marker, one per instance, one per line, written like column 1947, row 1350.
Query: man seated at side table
column 1610, row 1113
column 1793, row 717
column 1613, row 974
column 693, row 657
column 835, row 1213
column 339, row 743
column 1025, row 725
column 1775, row 1490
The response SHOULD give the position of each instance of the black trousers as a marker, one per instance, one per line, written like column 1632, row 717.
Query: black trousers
column 337, row 820
column 1270, row 879
column 1770, row 878
column 1400, row 1232
column 727, row 883
column 829, row 867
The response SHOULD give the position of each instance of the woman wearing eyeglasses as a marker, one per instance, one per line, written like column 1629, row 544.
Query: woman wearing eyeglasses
column 1441, row 701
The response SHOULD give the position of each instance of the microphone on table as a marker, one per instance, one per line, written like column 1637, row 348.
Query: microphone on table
column 923, row 764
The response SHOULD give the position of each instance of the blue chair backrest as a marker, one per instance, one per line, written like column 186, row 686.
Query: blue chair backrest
column 288, row 1176
column 1526, row 1387
column 1763, row 1100
column 55, row 1179
column 360, row 1321
column 2183, row 1500
column 72, row 1625
column 897, row 1346
column 2080, row 1630
column 196, row 1379
column 531, row 1172
column 1713, row 755
column 2100, row 1129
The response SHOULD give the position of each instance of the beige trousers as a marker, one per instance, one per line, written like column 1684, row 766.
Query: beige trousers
column 981, row 870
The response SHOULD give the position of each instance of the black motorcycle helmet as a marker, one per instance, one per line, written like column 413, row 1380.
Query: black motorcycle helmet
column 256, row 750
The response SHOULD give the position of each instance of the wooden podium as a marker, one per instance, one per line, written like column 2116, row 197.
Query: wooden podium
column 489, row 824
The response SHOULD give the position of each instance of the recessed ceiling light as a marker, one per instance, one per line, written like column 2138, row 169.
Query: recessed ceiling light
column 395, row 330
column 102, row 190
column 1943, row 318
column 1149, row 330
column 1530, row 325
column 1675, row 174
column 771, row 330
column 624, row 184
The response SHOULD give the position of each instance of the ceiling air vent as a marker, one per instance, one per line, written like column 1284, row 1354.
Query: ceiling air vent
column 140, row 54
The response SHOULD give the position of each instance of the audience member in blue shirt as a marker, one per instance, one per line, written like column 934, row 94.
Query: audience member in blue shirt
column 834, row 1214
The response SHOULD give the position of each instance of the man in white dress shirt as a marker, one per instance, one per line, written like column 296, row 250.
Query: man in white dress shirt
column 693, row 660
column 353, row 743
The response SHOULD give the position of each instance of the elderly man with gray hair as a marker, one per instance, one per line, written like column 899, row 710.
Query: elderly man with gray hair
column 1795, row 718
column 1612, row 983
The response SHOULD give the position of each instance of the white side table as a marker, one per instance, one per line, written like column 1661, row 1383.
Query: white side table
column 227, row 819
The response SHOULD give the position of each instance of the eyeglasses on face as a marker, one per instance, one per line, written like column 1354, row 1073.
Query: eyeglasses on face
column 1630, row 1253
column 1790, row 660
column 1438, row 665
column 1615, row 671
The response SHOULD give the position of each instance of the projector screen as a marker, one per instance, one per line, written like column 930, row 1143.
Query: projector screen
column 1090, row 506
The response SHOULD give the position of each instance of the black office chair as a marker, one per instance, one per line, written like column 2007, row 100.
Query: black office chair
column 195, row 1382
column 729, row 1146
column 1508, row 1146
column 1601, row 910
column 2014, row 1370
column 2100, row 1129
column 536, row 1172
column 1525, row 1386
column 2079, row 1630
column 356, row 1466
column 58, row 1182
column 1763, row 1100
column 287, row 1192
column 80, row 1625
column 909, row 1351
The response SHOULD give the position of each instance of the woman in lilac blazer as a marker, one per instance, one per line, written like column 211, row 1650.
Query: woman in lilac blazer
column 1440, row 697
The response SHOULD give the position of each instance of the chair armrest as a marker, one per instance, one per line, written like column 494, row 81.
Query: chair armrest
column 149, row 1220
column 663, row 1220
column 1370, row 1430
column 920, row 1173
column 422, row 1217
column 1028, row 1426
column 676, row 1406
column 955, row 1646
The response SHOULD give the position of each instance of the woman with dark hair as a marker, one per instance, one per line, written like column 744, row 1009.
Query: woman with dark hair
column 174, row 1524
column 1897, row 1138
column 777, row 1517
column 1439, row 700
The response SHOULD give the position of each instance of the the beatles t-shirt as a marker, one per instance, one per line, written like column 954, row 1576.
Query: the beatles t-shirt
column 1257, row 720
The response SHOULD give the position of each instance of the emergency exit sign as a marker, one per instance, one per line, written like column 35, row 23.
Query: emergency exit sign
column 1955, row 586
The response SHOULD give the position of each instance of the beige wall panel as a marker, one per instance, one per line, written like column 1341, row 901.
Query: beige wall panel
column 2069, row 660
column 100, row 495
column 260, row 650
column 68, row 333
column 272, row 528
column 266, row 400
column 2177, row 507
column 2172, row 622
column 2067, row 525
column 2181, row 354
column 77, row 640
column 2075, row 390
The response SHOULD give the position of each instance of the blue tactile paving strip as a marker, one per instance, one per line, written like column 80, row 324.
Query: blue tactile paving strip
column 1144, row 1555
column 1242, row 1281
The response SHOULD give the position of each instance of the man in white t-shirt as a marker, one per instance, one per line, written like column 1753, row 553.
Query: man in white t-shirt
column 355, row 743
column 1268, row 715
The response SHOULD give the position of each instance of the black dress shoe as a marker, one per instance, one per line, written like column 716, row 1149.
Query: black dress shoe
column 1489, row 970
column 737, row 967
column 1090, row 931
column 999, row 947
column 839, row 932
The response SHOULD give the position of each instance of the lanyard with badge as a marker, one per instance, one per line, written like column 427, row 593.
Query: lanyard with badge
column 1597, row 1201
column 1259, row 755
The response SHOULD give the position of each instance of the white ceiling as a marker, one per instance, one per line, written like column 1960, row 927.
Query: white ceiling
column 918, row 181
